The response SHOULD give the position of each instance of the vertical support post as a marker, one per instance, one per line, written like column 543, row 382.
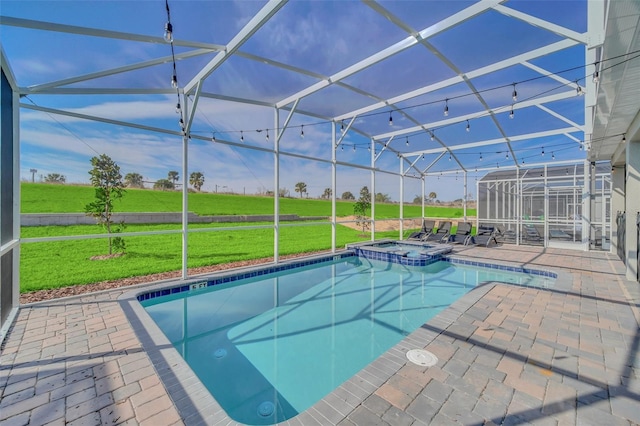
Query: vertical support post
column 617, row 203
column 464, row 198
column 401, row 200
column 373, row 190
column 423, row 186
column 333, row 187
column 185, row 192
column 546, row 208
column 586, row 205
column 477, row 203
column 502, row 200
column 632, row 203
column 276, row 184
column 518, row 201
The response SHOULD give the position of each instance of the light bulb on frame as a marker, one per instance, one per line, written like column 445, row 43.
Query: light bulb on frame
column 446, row 107
column 514, row 95
column 302, row 131
column 174, row 81
column 168, row 32
column 390, row 119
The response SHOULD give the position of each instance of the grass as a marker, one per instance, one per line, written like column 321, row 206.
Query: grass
column 56, row 264
column 49, row 198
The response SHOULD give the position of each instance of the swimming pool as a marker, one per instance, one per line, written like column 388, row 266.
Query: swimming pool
column 267, row 347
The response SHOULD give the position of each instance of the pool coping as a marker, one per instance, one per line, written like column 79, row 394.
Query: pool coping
column 195, row 403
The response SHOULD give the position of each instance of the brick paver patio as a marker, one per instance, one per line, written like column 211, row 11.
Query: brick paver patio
column 506, row 355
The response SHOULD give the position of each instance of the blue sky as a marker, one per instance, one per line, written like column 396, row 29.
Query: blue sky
column 322, row 37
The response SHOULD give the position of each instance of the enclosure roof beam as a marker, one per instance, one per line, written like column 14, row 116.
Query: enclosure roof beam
column 256, row 22
column 434, row 162
column 287, row 121
column 478, row 114
column 100, row 119
column 545, row 50
column 554, row 28
column 41, row 87
column 402, row 45
column 72, row 29
column 494, row 141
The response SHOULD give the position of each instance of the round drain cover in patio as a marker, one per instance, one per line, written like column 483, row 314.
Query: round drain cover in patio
column 422, row 358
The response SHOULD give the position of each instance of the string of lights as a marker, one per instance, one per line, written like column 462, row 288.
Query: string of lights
column 514, row 96
column 168, row 37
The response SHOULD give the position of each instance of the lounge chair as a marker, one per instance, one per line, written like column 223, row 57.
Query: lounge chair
column 531, row 234
column 443, row 231
column 484, row 236
column 424, row 232
column 461, row 236
column 505, row 235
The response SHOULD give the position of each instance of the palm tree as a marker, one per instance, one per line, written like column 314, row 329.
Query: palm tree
column 432, row 196
column 301, row 187
column 133, row 180
column 196, row 179
column 327, row 193
column 173, row 176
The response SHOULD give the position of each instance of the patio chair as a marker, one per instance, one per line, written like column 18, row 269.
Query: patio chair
column 531, row 233
column 505, row 235
column 443, row 231
column 424, row 232
column 484, row 236
column 463, row 233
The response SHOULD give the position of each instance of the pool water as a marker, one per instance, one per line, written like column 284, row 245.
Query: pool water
column 269, row 347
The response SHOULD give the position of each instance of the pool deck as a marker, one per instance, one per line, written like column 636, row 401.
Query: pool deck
column 506, row 355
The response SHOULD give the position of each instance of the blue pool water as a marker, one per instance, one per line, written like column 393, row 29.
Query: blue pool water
column 269, row 347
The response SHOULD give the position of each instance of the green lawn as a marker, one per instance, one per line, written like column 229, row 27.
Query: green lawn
column 48, row 198
column 56, row 264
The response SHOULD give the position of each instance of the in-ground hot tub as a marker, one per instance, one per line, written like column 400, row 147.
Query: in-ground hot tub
column 410, row 253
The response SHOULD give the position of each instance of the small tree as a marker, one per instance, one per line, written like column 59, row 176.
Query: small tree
column 360, row 208
column 301, row 187
column 107, row 181
column 55, row 178
column 163, row 184
column 347, row 195
column 196, row 179
column 133, row 180
column 283, row 193
column 327, row 193
column 432, row 196
column 382, row 198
